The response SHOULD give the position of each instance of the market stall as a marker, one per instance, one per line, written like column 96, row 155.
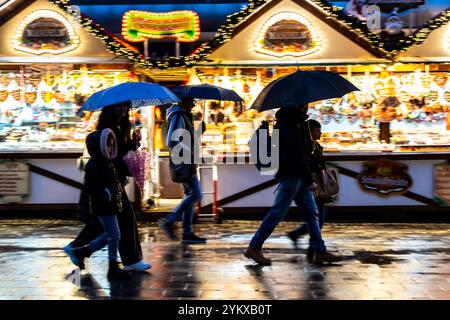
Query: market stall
column 50, row 62
column 386, row 139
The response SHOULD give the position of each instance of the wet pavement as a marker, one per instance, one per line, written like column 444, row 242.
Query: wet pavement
column 381, row 261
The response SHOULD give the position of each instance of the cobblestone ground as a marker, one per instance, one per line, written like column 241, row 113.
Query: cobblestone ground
column 381, row 261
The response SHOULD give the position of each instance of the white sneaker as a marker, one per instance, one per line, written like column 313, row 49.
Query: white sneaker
column 138, row 266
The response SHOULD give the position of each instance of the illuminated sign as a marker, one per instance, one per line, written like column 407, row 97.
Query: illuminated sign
column 287, row 34
column 140, row 25
column 385, row 176
column 45, row 31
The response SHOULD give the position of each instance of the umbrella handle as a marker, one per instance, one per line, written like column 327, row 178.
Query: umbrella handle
column 204, row 110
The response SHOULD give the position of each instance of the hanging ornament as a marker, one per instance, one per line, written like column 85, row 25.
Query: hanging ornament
column 3, row 92
column 30, row 94
column 326, row 119
column 339, row 118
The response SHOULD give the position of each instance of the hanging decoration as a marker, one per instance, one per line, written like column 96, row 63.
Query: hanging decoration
column 45, row 31
column 287, row 34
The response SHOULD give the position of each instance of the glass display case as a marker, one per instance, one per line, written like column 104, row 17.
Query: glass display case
column 39, row 104
column 414, row 103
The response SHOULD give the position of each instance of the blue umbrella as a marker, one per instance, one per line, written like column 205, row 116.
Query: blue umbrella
column 300, row 88
column 207, row 92
column 137, row 93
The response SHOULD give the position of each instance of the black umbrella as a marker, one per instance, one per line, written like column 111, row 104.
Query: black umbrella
column 300, row 88
column 207, row 92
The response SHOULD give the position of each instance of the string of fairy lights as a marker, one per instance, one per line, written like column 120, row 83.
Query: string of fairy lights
column 225, row 32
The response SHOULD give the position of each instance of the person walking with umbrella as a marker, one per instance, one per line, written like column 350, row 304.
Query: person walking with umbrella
column 115, row 118
column 181, row 137
column 115, row 104
column 105, row 194
column 292, row 94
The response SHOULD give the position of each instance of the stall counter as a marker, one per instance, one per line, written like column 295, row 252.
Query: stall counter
column 241, row 187
column 54, row 181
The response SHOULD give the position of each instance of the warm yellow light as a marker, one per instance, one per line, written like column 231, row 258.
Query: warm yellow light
column 287, row 15
column 17, row 41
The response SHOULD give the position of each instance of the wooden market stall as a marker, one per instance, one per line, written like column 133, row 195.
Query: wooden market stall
column 51, row 60
column 402, row 85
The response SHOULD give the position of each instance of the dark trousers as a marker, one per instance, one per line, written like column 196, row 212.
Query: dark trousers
column 129, row 246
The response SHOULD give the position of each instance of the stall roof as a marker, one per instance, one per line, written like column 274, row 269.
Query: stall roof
column 99, row 46
column 436, row 48
column 347, row 25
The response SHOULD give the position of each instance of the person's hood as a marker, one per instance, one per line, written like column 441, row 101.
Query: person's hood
column 97, row 145
column 172, row 110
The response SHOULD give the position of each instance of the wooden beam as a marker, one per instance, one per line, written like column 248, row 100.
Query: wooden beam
column 55, row 176
column 407, row 194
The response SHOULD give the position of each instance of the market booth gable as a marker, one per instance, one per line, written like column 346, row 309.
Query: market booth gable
column 49, row 65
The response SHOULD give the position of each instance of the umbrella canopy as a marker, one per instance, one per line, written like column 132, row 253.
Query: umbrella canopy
column 207, row 92
column 300, row 88
column 137, row 93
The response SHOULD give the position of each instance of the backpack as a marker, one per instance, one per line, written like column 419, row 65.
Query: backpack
column 257, row 146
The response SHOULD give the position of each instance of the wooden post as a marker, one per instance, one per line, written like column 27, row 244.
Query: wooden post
column 146, row 49
column 177, row 49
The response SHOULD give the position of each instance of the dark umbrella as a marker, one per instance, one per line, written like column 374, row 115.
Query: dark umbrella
column 206, row 92
column 300, row 88
column 137, row 93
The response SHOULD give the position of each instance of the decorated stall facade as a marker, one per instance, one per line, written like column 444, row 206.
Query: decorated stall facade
column 51, row 59
column 401, row 90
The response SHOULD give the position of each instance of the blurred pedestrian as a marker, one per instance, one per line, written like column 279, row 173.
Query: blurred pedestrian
column 295, row 183
column 116, row 118
column 180, row 121
column 317, row 165
column 105, row 191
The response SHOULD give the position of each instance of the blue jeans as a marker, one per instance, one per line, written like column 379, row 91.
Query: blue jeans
column 110, row 237
column 185, row 209
column 291, row 188
column 303, row 229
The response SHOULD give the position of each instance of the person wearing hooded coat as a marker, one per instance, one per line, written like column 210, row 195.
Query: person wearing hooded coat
column 114, row 117
column 105, row 191
column 295, row 184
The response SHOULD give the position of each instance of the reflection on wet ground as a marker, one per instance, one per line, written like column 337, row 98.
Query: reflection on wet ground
column 381, row 261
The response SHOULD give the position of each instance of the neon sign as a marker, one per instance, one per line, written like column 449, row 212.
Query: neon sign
column 184, row 25
column 287, row 34
column 45, row 31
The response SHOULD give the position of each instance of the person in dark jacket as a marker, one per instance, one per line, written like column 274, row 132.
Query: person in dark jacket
column 104, row 190
column 317, row 165
column 116, row 118
column 179, row 118
column 295, row 183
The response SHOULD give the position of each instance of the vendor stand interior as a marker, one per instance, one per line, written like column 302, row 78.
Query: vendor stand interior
column 390, row 140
